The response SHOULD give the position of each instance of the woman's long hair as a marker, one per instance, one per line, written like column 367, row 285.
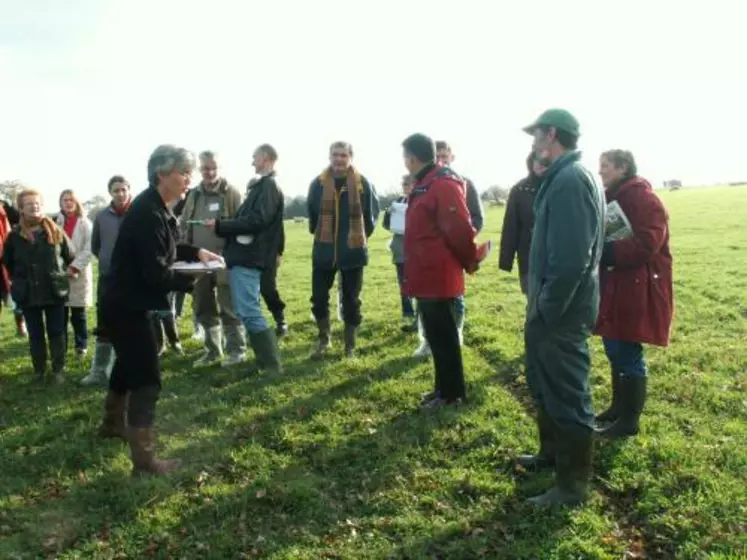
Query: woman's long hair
column 78, row 206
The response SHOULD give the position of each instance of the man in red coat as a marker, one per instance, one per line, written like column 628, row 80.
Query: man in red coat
column 636, row 304
column 439, row 247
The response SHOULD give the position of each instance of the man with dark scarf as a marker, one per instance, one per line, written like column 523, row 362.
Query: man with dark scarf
column 343, row 210
column 518, row 220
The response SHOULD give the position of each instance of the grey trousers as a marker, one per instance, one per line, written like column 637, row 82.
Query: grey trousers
column 211, row 299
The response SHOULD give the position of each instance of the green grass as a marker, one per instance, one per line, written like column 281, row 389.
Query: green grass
column 334, row 461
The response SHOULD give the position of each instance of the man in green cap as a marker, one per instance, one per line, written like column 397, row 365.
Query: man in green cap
column 562, row 305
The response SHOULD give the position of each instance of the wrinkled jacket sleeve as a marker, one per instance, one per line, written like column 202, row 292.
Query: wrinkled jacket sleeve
column 185, row 229
column 152, row 256
column 474, row 205
column 83, row 254
column 573, row 227
column 453, row 221
column 510, row 232
column 66, row 252
column 370, row 208
column 257, row 217
column 649, row 223
column 9, row 253
column 96, row 236
column 313, row 204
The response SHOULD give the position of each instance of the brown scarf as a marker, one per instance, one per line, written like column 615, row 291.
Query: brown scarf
column 53, row 231
column 325, row 229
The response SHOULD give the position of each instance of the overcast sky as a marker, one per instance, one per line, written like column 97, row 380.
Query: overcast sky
column 90, row 87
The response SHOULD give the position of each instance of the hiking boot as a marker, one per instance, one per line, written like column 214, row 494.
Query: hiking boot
column 58, row 350
column 572, row 472
column 323, row 341
column 350, row 336
column 632, row 401
column 610, row 415
column 142, row 450
column 38, row 349
column 545, row 457
column 114, row 421
column 265, row 346
column 281, row 329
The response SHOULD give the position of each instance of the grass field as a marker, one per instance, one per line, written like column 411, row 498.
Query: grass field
column 335, row 461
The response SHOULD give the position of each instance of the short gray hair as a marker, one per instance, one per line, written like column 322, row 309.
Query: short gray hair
column 167, row 158
column 208, row 155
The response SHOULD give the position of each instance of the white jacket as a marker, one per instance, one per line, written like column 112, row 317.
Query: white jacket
column 81, row 288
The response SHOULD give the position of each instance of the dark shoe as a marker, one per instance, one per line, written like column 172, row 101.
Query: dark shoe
column 38, row 350
column 410, row 327
column 265, row 346
column 572, row 472
column 545, row 457
column 350, row 336
column 323, row 342
column 632, row 401
column 439, row 402
column 114, row 422
column 610, row 415
column 142, row 449
column 58, row 350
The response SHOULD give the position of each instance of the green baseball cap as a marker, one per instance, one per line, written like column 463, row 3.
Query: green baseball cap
column 558, row 118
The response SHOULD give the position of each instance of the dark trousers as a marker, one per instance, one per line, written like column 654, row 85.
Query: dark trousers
column 352, row 283
column 440, row 326
column 77, row 317
column 179, row 303
column 100, row 331
column 557, row 369
column 50, row 318
column 134, row 340
column 407, row 308
column 268, row 287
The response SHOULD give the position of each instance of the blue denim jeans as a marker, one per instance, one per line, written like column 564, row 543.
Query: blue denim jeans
column 625, row 357
column 245, row 292
column 460, row 306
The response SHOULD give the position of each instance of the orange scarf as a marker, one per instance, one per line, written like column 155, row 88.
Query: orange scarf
column 53, row 231
column 356, row 231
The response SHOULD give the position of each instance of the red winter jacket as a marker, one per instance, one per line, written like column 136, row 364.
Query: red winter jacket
column 4, row 232
column 637, row 301
column 439, row 237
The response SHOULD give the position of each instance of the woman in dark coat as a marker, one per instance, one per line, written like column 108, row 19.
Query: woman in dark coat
column 636, row 304
column 140, row 279
column 516, row 234
column 37, row 255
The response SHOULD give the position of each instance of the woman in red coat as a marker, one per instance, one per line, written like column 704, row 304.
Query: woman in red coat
column 636, row 304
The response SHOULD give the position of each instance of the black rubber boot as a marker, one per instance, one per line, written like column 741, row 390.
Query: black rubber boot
column 610, row 415
column 632, row 401
column 38, row 349
column 572, row 472
column 545, row 457
column 58, row 350
column 265, row 346
column 323, row 342
column 350, row 336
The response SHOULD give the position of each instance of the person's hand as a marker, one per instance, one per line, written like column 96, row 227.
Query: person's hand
column 210, row 224
column 205, row 256
column 71, row 272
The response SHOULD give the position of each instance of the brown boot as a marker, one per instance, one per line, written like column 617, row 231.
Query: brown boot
column 21, row 331
column 142, row 444
column 114, row 423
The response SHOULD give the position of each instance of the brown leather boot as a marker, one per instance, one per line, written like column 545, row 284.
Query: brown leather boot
column 21, row 331
column 142, row 444
column 114, row 423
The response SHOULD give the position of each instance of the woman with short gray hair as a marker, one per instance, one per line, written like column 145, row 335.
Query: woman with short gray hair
column 141, row 276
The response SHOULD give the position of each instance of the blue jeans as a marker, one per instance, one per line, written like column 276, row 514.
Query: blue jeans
column 76, row 316
column 625, row 357
column 50, row 318
column 245, row 292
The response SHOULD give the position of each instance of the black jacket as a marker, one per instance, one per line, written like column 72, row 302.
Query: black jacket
column 516, row 235
column 140, row 277
column 255, row 236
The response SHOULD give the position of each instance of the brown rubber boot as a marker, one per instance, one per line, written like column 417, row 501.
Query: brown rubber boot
column 114, row 422
column 21, row 331
column 142, row 449
column 323, row 342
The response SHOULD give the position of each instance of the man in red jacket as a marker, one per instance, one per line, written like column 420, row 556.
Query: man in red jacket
column 439, row 247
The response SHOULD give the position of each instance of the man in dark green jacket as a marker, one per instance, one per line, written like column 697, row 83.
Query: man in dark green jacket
column 563, row 300
column 342, row 210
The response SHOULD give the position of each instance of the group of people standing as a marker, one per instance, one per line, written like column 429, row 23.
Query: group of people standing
column 556, row 222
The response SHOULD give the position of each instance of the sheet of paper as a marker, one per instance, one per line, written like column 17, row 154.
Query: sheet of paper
column 186, row 266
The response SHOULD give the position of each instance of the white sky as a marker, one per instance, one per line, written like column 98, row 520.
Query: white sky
column 89, row 87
